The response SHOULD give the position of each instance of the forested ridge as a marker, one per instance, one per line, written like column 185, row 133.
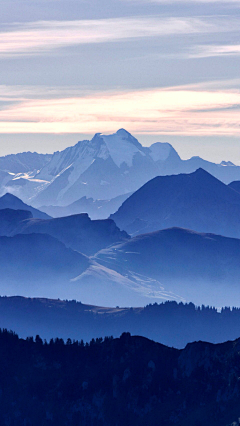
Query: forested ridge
column 130, row 380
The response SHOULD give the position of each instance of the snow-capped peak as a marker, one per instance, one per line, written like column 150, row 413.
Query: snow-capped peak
column 122, row 147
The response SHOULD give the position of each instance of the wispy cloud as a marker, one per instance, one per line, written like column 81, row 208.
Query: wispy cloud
column 175, row 110
column 43, row 36
column 206, row 51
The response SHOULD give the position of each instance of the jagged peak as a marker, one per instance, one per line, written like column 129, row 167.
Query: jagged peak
column 227, row 163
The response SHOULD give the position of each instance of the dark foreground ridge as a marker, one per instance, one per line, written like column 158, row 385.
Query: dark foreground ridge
column 124, row 381
column 173, row 324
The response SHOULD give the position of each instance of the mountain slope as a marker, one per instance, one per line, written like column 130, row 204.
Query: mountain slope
column 10, row 201
column 235, row 185
column 10, row 219
column 78, row 232
column 195, row 201
column 202, row 268
column 37, row 264
column 24, row 162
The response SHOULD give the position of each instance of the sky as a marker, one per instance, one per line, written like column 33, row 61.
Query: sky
column 165, row 70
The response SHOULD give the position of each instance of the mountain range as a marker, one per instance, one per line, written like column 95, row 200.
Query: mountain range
column 173, row 324
column 96, row 209
column 10, row 201
column 78, row 232
column 175, row 264
column 185, row 228
column 103, row 168
column 44, row 258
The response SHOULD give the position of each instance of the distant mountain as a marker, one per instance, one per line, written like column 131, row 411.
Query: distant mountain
column 196, row 201
column 126, row 381
column 173, row 324
column 96, row 209
column 102, row 168
column 33, row 263
column 235, row 185
column 202, row 268
column 78, row 232
column 9, row 201
column 24, row 162
column 111, row 165
column 37, row 264
column 173, row 264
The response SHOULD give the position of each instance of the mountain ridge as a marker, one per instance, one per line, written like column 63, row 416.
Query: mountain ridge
column 10, row 201
column 103, row 168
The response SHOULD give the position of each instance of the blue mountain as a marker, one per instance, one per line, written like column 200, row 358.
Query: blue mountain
column 10, row 201
column 196, row 201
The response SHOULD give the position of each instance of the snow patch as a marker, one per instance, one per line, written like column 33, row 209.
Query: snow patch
column 120, row 148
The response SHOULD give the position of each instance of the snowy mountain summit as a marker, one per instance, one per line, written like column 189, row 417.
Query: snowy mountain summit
column 104, row 167
column 101, row 168
column 121, row 147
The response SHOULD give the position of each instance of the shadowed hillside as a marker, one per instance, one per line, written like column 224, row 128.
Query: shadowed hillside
column 126, row 381
column 196, row 201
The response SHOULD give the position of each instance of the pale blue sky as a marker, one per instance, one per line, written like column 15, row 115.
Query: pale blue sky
column 69, row 68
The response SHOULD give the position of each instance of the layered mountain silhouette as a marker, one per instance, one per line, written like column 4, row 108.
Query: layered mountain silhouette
column 36, row 264
column 10, row 201
column 196, row 201
column 96, row 209
column 36, row 252
column 101, row 168
column 173, row 324
column 78, row 232
column 203, row 268
column 174, row 264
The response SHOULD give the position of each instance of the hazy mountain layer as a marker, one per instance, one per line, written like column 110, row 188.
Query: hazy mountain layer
column 169, row 323
column 96, row 209
column 202, row 268
column 9, row 201
column 78, row 232
column 173, row 264
column 196, row 201
column 37, row 264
